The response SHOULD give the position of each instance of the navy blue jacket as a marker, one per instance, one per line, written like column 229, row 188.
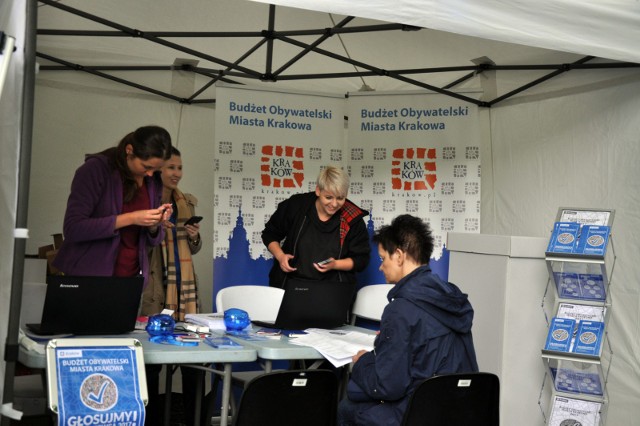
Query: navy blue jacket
column 425, row 331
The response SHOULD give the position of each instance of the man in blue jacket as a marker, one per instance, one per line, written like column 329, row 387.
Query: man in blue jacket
column 425, row 330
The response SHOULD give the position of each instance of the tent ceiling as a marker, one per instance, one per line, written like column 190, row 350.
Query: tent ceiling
column 607, row 29
column 143, row 44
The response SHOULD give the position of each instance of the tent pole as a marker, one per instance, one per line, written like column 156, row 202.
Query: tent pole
column 26, row 131
column 565, row 68
column 269, row 59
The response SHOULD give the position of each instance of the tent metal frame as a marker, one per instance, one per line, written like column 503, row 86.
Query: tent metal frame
column 268, row 37
column 12, row 347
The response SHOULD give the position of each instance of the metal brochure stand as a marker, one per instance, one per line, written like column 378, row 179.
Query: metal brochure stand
column 581, row 284
column 97, row 377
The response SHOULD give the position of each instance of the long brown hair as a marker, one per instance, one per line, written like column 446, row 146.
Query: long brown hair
column 147, row 142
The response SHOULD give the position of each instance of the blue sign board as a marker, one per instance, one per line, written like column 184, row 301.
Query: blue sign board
column 98, row 386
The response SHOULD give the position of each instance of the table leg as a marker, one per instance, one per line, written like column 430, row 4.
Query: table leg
column 198, row 399
column 226, row 394
column 166, row 418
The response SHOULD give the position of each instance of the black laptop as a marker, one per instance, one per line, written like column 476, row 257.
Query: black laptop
column 313, row 304
column 83, row 305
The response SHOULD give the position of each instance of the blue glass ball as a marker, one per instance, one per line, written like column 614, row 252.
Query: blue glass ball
column 236, row 319
column 160, row 325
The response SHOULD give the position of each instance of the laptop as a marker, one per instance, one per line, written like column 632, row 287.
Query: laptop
column 313, row 304
column 84, row 305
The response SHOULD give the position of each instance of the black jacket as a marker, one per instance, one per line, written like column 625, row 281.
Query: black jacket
column 289, row 220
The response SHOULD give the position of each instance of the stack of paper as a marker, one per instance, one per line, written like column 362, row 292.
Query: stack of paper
column 215, row 321
column 337, row 346
column 569, row 411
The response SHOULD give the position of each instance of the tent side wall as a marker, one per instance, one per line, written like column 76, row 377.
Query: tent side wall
column 579, row 150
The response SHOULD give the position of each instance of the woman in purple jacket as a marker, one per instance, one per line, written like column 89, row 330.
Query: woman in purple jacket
column 114, row 210
column 114, row 214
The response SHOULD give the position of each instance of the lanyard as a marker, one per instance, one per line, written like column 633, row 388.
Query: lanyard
column 170, row 340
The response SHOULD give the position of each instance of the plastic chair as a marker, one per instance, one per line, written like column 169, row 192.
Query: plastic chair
column 293, row 397
column 261, row 302
column 465, row 399
column 370, row 302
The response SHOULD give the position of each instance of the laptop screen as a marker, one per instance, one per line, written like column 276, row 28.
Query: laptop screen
column 315, row 304
column 90, row 305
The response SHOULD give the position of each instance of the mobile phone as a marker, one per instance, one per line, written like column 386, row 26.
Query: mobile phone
column 193, row 220
column 324, row 262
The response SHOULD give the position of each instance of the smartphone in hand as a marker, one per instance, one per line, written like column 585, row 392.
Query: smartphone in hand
column 324, row 262
column 193, row 220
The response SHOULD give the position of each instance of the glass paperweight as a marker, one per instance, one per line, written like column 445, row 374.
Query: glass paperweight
column 160, row 325
column 236, row 320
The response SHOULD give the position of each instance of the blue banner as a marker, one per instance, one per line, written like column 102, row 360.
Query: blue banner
column 98, row 386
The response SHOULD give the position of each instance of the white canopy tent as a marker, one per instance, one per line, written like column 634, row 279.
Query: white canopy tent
column 299, row 50
column 604, row 29
column 569, row 140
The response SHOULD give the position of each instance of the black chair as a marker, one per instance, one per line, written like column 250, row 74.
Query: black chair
column 465, row 399
column 292, row 397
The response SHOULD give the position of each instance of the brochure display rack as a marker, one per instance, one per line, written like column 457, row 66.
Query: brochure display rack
column 577, row 354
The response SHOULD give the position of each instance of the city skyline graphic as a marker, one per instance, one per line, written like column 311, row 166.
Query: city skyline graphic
column 239, row 268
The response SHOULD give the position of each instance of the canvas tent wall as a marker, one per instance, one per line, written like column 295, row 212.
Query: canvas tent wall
column 584, row 118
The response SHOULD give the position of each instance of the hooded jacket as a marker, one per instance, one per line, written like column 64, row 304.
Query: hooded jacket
column 425, row 331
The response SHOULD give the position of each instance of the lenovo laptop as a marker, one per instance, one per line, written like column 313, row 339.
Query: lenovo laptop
column 313, row 304
column 85, row 305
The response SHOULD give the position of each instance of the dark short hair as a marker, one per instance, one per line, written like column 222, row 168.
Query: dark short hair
column 408, row 233
column 174, row 151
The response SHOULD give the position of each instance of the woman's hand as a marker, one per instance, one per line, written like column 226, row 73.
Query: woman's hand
column 147, row 218
column 357, row 356
column 154, row 217
column 284, row 262
column 325, row 265
column 167, row 211
column 193, row 231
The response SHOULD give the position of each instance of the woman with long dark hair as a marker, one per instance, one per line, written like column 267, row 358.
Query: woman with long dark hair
column 114, row 211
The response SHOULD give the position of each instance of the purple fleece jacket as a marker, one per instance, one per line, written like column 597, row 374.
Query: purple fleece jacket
column 91, row 243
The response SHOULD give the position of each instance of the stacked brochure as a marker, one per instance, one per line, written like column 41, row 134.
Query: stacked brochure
column 571, row 238
column 593, row 240
column 560, row 334
column 337, row 346
column 580, row 286
column 577, row 377
column 589, row 338
column 580, row 337
column 569, row 411
column 564, row 237
column 580, row 313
